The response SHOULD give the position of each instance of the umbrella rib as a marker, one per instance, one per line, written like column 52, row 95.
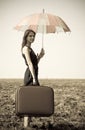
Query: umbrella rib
column 63, row 24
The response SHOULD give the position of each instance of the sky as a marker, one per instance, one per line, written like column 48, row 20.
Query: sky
column 64, row 53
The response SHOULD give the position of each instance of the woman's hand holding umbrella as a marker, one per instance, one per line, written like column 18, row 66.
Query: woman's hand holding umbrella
column 39, row 56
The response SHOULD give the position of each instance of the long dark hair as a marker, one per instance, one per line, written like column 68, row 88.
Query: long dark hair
column 25, row 37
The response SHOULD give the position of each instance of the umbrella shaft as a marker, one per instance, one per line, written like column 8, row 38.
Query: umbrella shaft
column 42, row 40
column 43, row 36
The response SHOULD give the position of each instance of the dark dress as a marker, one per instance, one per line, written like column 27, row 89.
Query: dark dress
column 28, row 80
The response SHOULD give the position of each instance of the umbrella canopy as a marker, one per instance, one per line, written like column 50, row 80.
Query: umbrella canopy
column 43, row 23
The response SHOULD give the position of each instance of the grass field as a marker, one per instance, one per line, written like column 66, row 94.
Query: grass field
column 69, row 98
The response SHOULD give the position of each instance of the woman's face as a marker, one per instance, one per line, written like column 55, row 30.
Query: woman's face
column 31, row 37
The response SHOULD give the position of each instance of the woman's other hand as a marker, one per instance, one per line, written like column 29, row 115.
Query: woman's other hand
column 35, row 82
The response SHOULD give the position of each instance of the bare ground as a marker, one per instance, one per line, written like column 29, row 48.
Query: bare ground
column 69, row 98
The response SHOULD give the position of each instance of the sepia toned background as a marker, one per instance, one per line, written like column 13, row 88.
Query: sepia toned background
column 64, row 58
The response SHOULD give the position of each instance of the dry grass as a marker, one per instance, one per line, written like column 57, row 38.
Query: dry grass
column 69, row 98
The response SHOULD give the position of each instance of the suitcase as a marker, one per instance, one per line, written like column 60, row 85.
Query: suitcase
column 34, row 101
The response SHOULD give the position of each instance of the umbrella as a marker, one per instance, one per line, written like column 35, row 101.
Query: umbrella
column 43, row 23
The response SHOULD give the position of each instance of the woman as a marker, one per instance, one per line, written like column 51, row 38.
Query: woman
column 31, row 60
